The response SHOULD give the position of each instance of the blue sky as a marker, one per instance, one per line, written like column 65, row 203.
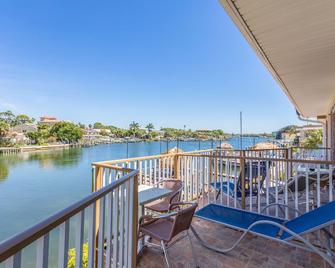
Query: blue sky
column 173, row 63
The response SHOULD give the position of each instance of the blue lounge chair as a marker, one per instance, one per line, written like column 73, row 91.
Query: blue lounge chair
column 250, row 183
column 272, row 228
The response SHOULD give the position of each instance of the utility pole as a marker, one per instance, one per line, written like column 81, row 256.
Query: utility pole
column 241, row 134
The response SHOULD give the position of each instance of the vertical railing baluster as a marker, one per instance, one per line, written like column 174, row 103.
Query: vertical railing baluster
column 140, row 173
column 121, row 226
column 318, row 186
column 101, row 240
column 235, row 182
column 259, row 186
column 146, row 173
column 307, row 189
column 202, row 176
column 115, row 218
column 296, row 201
column 250, row 184
column 79, row 238
column 42, row 257
column 63, row 245
column 14, row 261
column 155, row 171
column 126, row 230
column 91, row 236
column 191, row 176
column 267, row 183
column 150, row 172
column 276, row 174
column 109, row 237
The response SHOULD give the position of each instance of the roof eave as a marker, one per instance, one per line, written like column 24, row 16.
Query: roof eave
column 234, row 14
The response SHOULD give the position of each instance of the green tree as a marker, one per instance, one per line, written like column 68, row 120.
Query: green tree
column 22, row 119
column 4, row 129
column 35, row 137
column 7, row 117
column 150, row 127
column 313, row 139
column 66, row 132
column 99, row 125
column 82, row 126
column 104, row 132
column 44, row 131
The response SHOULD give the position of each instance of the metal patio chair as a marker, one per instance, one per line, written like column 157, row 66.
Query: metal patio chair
column 166, row 227
column 165, row 205
column 258, row 175
column 273, row 228
column 297, row 184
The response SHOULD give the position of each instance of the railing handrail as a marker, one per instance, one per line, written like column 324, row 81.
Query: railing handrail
column 321, row 162
column 306, row 148
column 142, row 158
column 17, row 242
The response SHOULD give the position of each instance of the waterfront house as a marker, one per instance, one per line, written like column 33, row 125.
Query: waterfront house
column 49, row 120
column 295, row 41
column 18, row 133
column 24, row 128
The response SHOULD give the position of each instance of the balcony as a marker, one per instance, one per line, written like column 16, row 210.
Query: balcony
column 102, row 228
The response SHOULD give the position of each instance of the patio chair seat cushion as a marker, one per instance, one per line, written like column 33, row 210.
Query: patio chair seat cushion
column 159, row 229
column 239, row 219
column 229, row 188
column 315, row 219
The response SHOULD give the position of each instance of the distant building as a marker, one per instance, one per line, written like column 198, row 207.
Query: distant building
column 24, row 128
column 49, row 120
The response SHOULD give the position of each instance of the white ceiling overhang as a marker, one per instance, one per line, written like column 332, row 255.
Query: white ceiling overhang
column 295, row 39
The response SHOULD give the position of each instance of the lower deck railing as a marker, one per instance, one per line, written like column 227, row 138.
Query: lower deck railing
column 251, row 180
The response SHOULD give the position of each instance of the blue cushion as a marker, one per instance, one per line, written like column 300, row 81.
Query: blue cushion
column 239, row 218
column 322, row 216
column 231, row 191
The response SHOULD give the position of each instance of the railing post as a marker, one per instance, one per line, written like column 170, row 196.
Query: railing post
column 211, row 167
column 97, row 185
column 242, row 166
column 176, row 167
column 135, row 223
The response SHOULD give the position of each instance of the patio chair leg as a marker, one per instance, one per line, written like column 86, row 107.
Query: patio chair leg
column 165, row 253
column 193, row 252
column 217, row 195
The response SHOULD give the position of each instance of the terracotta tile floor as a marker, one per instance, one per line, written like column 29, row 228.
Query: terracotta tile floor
column 251, row 252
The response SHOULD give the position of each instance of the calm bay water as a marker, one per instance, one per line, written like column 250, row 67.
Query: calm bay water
column 35, row 185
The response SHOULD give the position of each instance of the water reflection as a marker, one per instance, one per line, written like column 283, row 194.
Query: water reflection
column 46, row 160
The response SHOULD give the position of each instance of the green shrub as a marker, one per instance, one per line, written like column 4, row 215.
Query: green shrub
column 72, row 257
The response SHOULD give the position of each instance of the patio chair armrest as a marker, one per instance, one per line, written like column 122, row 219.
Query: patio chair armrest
column 167, row 215
column 177, row 204
column 174, row 195
column 159, row 182
column 145, row 219
column 282, row 205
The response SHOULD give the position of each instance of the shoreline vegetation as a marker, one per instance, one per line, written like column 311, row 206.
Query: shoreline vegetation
column 19, row 133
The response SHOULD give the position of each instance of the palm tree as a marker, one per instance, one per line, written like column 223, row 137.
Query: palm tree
column 134, row 128
column 150, row 127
